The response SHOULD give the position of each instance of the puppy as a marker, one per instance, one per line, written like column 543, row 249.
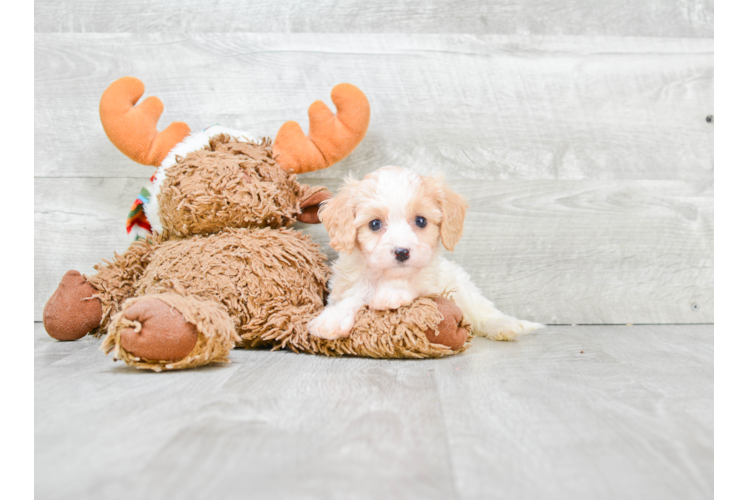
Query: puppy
column 386, row 229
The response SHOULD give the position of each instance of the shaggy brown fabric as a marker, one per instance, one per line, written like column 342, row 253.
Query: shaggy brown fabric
column 384, row 334
column 216, row 334
column 225, row 260
column 230, row 184
column 115, row 280
column 240, row 284
column 270, row 281
column 73, row 310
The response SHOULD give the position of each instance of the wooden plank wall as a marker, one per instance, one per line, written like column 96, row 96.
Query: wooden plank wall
column 577, row 130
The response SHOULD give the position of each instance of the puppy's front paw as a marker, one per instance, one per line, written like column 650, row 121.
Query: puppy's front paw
column 507, row 328
column 333, row 323
column 390, row 299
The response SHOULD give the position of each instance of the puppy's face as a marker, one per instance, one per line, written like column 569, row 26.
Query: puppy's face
column 395, row 218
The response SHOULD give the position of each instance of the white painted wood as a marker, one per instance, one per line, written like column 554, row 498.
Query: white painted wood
column 668, row 18
column 477, row 107
column 548, row 251
column 77, row 222
column 630, row 417
column 587, row 160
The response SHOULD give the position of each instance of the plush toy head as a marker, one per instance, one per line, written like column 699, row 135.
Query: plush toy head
column 220, row 178
column 228, row 184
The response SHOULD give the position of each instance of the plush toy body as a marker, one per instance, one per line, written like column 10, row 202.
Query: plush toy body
column 215, row 264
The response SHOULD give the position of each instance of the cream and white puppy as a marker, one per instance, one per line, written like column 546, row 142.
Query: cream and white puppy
column 386, row 229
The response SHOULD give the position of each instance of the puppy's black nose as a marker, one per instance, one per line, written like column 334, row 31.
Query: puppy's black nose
column 402, row 254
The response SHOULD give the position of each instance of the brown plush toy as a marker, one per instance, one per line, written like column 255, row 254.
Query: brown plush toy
column 215, row 264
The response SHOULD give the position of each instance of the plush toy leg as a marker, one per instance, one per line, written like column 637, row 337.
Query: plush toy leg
column 429, row 327
column 169, row 331
column 117, row 280
column 72, row 311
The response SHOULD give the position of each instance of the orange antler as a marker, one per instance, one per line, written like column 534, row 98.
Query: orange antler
column 331, row 137
column 133, row 128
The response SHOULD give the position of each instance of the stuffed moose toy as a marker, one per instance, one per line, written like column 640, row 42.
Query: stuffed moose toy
column 215, row 264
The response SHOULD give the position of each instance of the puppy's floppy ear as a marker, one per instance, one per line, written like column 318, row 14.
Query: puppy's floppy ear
column 337, row 214
column 453, row 207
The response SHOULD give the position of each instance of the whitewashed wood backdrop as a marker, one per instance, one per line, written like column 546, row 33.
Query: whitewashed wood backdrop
column 577, row 130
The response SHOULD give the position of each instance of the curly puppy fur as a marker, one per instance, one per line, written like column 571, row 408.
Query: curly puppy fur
column 387, row 228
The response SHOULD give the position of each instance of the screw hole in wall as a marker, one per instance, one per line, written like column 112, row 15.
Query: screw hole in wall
column 709, row 118
column 694, row 307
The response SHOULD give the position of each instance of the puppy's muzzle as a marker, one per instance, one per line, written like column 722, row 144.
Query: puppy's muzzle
column 402, row 254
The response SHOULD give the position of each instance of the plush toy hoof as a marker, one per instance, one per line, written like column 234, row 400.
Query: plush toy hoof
column 449, row 332
column 67, row 314
column 161, row 333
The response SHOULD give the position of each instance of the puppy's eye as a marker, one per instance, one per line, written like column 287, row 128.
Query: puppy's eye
column 420, row 221
column 375, row 225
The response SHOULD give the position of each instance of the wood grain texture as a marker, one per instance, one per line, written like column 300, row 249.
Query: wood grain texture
column 629, row 417
column 477, row 107
column 666, row 18
column 548, row 251
column 77, row 222
column 587, row 160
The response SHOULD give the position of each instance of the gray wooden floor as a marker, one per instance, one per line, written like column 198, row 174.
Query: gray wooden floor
column 630, row 417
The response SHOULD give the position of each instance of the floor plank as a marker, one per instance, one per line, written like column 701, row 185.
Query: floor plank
column 629, row 417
